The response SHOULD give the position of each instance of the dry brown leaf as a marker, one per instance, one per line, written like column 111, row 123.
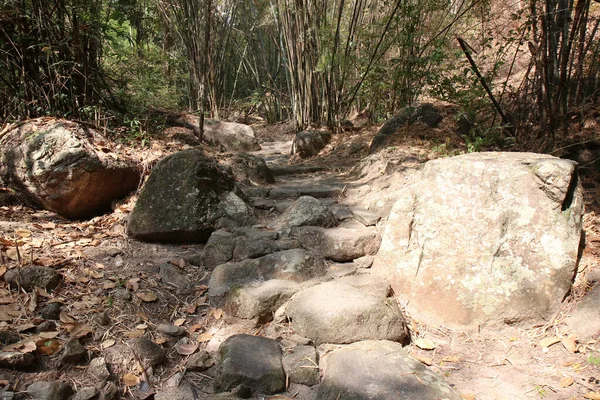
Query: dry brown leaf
column 592, row 395
column 28, row 347
column 180, row 263
column 130, row 380
column 47, row 347
column 425, row 344
column 94, row 274
column 148, row 297
column 200, row 289
column 25, row 327
column 190, row 309
column 570, row 344
column 48, row 335
column 136, row 333
column 80, row 330
column 107, row 343
column 4, row 382
column 566, row 382
column 44, row 261
column 424, row 359
column 179, row 322
column 66, row 318
column 204, row 337
column 161, row 340
column 194, row 328
column 185, row 349
column 141, row 326
column 549, row 341
column 42, row 292
column 109, row 285
column 451, row 359
column 7, row 242
column 467, row 396
column 217, row 313
column 133, row 284
column 2, row 270
column 24, row 233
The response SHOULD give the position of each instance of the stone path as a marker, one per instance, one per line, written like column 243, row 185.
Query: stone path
column 330, row 325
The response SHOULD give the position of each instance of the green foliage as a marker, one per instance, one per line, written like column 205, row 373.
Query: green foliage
column 593, row 359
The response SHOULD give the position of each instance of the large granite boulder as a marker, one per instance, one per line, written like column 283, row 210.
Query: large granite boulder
column 231, row 136
column 485, row 238
column 186, row 197
column 310, row 143
column 65, row 167
column 425, row 113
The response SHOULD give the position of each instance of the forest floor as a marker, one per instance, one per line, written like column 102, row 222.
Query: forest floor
column 96, row 257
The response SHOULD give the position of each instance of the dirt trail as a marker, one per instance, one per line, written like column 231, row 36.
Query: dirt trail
column 97, row 258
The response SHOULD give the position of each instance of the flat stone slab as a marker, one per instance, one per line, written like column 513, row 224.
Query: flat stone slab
column 260, row 300
column 251, row 364
column 365, row 217
column 335, row 312
column 376, row 370
column 338, row 244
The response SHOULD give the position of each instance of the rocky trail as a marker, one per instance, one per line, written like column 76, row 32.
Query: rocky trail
column 292, row 304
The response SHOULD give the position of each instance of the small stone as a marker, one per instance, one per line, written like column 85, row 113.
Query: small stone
column 149, row 352
column 122, row 294
column 7, row 395
column 218, row 249
column 16, row 360
column 301, row 365
column 9, row 337
column 51, row 311
column 86, row 393
column 199, row 362
column 251, row 362
column 72, row 352
column 33, row 276
column 171, row 330
column 55, row 390
column 174, row 381
column 46, row 326
column 98, row 369
column 171, row 274
column 365, row 217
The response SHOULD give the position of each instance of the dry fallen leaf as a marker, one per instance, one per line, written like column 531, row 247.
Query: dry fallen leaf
column 549, row 341
column 217, row 313
column 179, row 322
column 467, row 396
column 424, row 359
column 29, row 347
column 451, row 359
column 80, row 330
column 570, row 344
column 2, row 270
column 425, row 344
column 204, row 337
column 66, row 318
column 592, row 395
column 194, row 328
column 47, row 347
column 185, row 349
column 24, row 233
column 136, row 333
column 133, row 284
column 566, row 382
column 130, row 380
column 109, row 285
column 148, row 297
column 107, row 343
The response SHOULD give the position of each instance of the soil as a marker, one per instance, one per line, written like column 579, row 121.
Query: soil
column 96, row 258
